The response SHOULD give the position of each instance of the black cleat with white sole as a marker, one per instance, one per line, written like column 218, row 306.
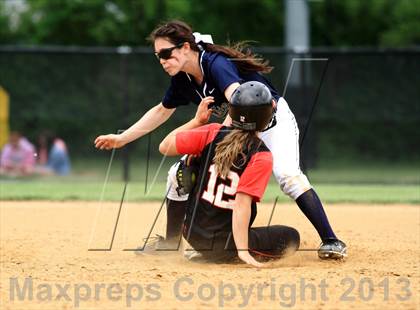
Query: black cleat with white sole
column 332, row 249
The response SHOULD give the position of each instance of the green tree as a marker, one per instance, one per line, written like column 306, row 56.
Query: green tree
column 93, row 22
column 116, row 22
column 68, row 22
column 238, row 20
column 365, row 23
column 349, row 23
column 405, row 24
column 5, row 32
column 129, row 22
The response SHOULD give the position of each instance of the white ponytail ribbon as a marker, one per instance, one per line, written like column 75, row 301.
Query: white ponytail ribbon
column 205, row 38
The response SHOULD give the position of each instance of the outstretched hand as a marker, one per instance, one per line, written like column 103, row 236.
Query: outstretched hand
column 203, row 113
column 108, row 142
column 248, row 259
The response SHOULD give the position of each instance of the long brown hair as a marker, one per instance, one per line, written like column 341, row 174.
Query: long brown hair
column 177, row 32
column 234, row 149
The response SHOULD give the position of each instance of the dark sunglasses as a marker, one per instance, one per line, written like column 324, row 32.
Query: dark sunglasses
column 166, row 53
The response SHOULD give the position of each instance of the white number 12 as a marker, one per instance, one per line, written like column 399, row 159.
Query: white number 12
column 217, row 200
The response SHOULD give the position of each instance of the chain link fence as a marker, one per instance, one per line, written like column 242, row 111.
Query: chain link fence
column 355, row 104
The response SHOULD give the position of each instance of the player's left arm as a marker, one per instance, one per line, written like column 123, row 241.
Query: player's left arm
column 251, row 187
column 228, row 94
column 227, row 78
column 168, row 144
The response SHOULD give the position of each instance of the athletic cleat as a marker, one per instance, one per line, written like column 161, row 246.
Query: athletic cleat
column 193, row 255
column 332, row 249
column 157, row 245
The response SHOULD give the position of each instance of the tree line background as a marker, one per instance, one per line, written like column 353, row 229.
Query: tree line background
column 388, row 23
column 367, row 108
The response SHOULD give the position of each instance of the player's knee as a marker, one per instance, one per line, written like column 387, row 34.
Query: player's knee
column 293, row 185
column 171, row 178
column 172, row 185
column 287, row 239
column 293, row 240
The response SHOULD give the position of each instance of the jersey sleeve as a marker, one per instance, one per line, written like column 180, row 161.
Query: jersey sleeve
column 194, row 141
column 256, row 176
column 174, row 95
column 224, row 72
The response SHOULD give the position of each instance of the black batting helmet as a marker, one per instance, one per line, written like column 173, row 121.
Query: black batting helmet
column 251, row 106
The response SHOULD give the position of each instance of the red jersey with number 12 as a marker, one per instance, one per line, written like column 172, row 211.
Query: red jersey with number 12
column 209, row 213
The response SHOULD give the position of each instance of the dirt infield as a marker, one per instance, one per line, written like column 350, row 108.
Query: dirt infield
column 45, row 262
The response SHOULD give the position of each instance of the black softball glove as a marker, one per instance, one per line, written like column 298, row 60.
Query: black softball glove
column 187, row 174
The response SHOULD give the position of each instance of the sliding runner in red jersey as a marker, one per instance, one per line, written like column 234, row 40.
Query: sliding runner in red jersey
column 234, row 169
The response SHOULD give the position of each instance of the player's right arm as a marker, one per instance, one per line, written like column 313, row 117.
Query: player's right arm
column 153, row 118
column 240, row 228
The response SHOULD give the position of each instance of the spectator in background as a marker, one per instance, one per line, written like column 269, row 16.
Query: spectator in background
column 17, row 156
column 53, row 157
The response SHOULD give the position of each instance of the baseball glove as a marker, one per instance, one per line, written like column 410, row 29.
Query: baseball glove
column 187, row 175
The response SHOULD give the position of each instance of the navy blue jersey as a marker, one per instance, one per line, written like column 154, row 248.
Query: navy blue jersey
column 218, row 73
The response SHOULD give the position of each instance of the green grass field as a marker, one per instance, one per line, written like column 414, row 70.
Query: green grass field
column 362, row 183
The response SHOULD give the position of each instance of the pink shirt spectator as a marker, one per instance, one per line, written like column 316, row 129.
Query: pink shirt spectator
column 18, row 155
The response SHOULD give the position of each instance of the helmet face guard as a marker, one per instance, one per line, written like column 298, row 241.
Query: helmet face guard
column 251, row 107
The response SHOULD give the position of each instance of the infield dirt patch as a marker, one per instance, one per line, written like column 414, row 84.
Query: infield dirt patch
column 45, row 262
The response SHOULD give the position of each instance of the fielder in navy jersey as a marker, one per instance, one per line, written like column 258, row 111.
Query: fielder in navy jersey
column 219, row 73
column 199, row 69
column 234, row 170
